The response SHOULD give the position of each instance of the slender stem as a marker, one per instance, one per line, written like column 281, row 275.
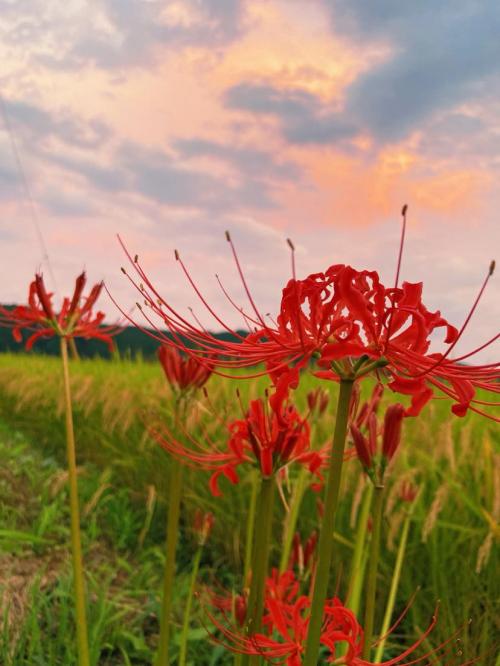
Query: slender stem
column 359, row 558
column 73, row 349
column 394, row 584
column 260, row 560
column 292, row 517
column 357, row 570
column 76, row 545
column 249, row 537
column 250, row 526
column 174, row 504
column 187, row 610
column 371, row 584
column 325, row 545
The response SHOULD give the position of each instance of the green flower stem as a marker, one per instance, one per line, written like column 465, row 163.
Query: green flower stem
column 260, row 560
column 174, row 504
column 325, row 545
column 371, row 585
column 247, row 563
column 76, row 545
column 394, row 583
column 187, row 610
column 292, row 517
column 357, row 569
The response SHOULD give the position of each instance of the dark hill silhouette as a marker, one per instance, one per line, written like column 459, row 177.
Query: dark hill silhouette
column 131, row 341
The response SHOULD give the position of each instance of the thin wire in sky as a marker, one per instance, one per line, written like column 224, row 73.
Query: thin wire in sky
column 27, row 190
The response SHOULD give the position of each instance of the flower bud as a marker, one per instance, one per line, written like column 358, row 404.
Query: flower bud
column 392, row 430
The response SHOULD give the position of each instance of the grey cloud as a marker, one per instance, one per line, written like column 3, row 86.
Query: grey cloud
column 107, row 178
column 304, row 116
column 444, row 53
column 250, row 161
column 135, row 31
column 66, row 205
column 463, row 138
column 37, row 123
column 157, row 175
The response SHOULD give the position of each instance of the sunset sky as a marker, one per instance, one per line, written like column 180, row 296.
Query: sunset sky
column 171, row 121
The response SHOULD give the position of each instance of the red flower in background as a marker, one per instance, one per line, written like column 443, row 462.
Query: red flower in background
column 182, row 372
column 285, row 623
column 263, row 437
column 75, row 319
column 373, row 461
column 346, row 319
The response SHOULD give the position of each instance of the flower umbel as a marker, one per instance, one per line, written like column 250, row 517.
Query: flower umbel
column 346, row 319
column 75, row 319
column 263, row 437
column 285, row 625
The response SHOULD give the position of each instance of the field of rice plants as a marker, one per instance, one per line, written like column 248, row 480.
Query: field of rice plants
column 451, row 526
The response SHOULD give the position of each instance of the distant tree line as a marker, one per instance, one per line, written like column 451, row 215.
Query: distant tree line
column 130, row 342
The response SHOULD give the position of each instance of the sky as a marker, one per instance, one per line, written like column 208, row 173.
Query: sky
column 169, row 122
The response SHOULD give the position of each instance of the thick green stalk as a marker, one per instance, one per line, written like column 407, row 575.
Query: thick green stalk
column 174, row 504
column 260, row 560
column 247, row 563
column 371, row 584
column 357, row 568
column 394, row 584
column 325, row 545
column 187, row 610
column 292, row 517
column 76, row 545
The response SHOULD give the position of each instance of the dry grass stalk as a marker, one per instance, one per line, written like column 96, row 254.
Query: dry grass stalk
column 434, row 511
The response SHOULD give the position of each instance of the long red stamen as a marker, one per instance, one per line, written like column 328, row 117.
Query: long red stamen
column 466, row 322
column 398, row 268
column 249, row 295
column 299, row 309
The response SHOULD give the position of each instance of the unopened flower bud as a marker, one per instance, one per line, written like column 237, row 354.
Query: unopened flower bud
column 392, row 430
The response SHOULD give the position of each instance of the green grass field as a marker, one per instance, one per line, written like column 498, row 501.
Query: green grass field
column 450, row 555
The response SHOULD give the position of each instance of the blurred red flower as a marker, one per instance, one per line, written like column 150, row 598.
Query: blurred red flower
column 75, row 319
column 285, row 624
column 264, row 437
column 182, row 372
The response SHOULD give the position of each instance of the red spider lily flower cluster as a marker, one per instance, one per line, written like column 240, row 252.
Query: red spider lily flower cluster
column 182, row 372
column 367, row 446
column 75, row 319
column 263, row 437
column 335, row 316
column 285, row 624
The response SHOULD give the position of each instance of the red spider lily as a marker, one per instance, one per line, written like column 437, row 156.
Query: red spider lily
column 75, row 319
column 285, row 624
column 336, row 316
column 366, row 445
column 182, row 372
column 262, row 437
